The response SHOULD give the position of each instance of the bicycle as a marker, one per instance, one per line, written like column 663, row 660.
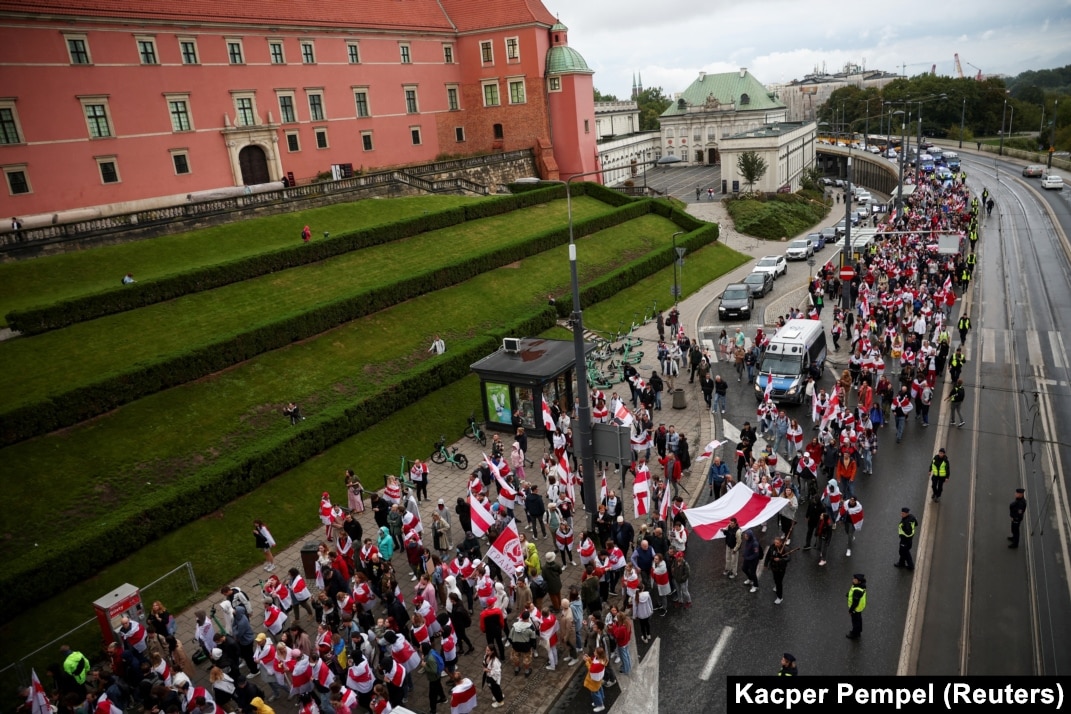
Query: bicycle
column 473, row 431
column 442, row 455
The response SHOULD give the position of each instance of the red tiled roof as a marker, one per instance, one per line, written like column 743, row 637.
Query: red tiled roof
column 485, row 14
column 401, row 14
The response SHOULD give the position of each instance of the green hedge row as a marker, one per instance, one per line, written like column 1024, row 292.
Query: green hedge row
column 49, row 570
column 79, row 404
column 34, row 321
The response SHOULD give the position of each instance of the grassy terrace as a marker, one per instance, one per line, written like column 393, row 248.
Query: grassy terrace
column 218, row 545
column 80, row 475
column 43, row 281
column 86, row 353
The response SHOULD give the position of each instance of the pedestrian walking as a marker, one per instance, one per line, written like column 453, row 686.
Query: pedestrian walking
column 964, row 327
column 856, row 605
column 777, row 559
column 823, row 536
column 901, row 407
column 788, row 666
column 955, row 364
column 1016, row 511
column 956, row 396
column 851, row 513
column 721, row 389
column 909, row 525
column 939, row 474
column 733, row 541
column 752, row 554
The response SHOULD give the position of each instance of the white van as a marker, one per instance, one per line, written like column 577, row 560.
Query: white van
column 1052, row 181
column 795, row 352
column 863, row 197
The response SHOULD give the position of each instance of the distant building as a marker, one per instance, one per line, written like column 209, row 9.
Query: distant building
column 123, row 104
column 803, row 97
column 787, row 147
column 714, row 107
column 623, row 148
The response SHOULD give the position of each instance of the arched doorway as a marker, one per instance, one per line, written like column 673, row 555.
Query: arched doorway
column 712, row 156
column 254, row 165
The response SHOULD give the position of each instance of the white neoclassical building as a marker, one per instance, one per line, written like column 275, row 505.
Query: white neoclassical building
column 787, row 147
column 623, row 148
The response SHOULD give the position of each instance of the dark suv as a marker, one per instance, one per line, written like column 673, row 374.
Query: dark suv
column 736, row 301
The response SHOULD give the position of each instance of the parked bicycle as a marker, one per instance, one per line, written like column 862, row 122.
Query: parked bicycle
column 473, row 431
column 442, row 455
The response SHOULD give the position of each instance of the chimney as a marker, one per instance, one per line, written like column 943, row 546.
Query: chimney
column 743, row 72
column 702, row 76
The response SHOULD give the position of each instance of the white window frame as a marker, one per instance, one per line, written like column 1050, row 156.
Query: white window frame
column 241, row 50
column 311, row 47
column 317, row 133
column 151, row 40
column 453, row 97
column 196, row 50
column 288, row 94
column 84, row 38
column 448, row 53
column 245, row 94
column 297, row 137
column 185, row 99
column 367, row 102
column 24, row 169
column 272, row 44
column 498, row 93
column 103, row 100
column 9, row 103
column 516, row 56
column 554, row 84
column 419, row 136
column 405, row 53
column 353, row 47
column 316, row 92
column 406, row 89
column 371, row 141
column 114, row 160
column 487, row 47
column 185, row 153
column 510, row 82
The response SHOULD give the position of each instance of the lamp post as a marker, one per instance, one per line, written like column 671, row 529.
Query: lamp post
column 679, row 256
column 900, row 173
column 962, row 116
column 866, row 128
column 1052, row 133
column 1003, row 114
column 845, row 291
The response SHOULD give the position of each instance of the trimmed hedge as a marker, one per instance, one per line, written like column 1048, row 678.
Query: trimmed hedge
column 34, row 321
column 48, row 570
column 82, row 403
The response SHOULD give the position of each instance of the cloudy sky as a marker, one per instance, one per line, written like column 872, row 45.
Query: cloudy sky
column 670, row 41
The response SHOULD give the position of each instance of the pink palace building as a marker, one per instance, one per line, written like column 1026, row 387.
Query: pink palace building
column 122, row 103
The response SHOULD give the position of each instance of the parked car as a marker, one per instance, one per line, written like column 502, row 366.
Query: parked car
column 863, row 197
column 1052, row 181
column 830, row 234
column 818, row 241
column 1033, row 171
column 774, row 264
column 799, row 249
column 826, row 181
column 759, row 283
column 736, row 301
column 839, row 183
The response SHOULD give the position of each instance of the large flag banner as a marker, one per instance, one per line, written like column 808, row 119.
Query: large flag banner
column 641, row 493
column 37, row 698
column 814, row 406
column 749, row 508
column 641, row 441
column 548, row 419
column 708, row 450
column 623, row 416
column 481, row 517
column 506, row 550
column 769, row 388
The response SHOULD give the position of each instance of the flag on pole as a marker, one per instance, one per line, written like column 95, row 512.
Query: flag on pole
column 641, row 493
column 506, row 550
column 708, row 451
column 747, row 507
column 602, row 488
column 663, row 507
column 623, row 416
column 814, row 406
column 481, row 517
column 769, row 388
column 562, row 469
column 641, row 441
column 831, row 408
column 37, row 699
column 548, row 419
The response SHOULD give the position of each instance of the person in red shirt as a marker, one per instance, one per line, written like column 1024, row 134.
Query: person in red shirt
column 492, row 623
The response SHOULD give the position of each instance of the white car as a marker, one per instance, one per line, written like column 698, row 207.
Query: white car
column 1052, row 181
column 775, row 264
column 800, row 249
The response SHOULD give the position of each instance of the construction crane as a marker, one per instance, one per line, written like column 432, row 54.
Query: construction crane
column 959, row 67
column 979, row 77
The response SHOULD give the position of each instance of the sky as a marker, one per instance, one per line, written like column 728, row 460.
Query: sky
column 668, row 42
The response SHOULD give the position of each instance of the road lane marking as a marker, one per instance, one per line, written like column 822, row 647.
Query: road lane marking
column 715, row 654
column 989, row 345
column 1033, row 347
column 1056, row 342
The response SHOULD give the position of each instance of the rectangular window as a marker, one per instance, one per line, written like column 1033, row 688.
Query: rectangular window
column 448, row 54
column 487, row 52
column 555, row 84
column 234, row 52
column 513, row 49
column 292, row 143
column 78, row 49
column 147, row 50
column 18, row 181
column 490, row 94
column 109, row 169
column 180, row 115
column 9, row 124
column 451, row 99
column 188, row 50
column 316, row 106
column 516, row 91
column 360, row 96
column 181, row 161
column 406, row 57
column 414, row 133
column 366, row 140
column 97, row 119
column 245, row 112
column 321, row 138
column 275, row 51
column 287, row 115
column 587, row 127
column 308, row 54
column 353, row 50
column 459, row 133
column 411, row 100
column 697, row 135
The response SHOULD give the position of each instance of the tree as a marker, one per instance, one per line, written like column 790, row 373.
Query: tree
column 752, row 167
column 652, row 102
column 600, row 97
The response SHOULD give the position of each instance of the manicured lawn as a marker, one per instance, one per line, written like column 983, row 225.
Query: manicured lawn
column 42, row 281
column 79, row 475
column 219, row 545
column 85, row 353
column 781, row 216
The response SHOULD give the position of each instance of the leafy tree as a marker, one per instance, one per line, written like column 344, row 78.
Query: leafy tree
column 752, row 167
column 600, row 97
column 652, row 103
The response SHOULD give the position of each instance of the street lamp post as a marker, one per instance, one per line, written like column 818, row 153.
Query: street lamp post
column 1003, row 116
column 1052, row 133
column 962, row 116
column 866, row 128
column 845, row 291
column 900, row 173
column 678, row 256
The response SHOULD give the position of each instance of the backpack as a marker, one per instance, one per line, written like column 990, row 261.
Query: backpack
column 539, row 590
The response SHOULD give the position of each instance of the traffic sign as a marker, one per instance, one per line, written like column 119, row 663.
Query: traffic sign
column 847, row 273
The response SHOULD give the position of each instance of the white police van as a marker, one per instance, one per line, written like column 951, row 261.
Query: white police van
column 793, row 353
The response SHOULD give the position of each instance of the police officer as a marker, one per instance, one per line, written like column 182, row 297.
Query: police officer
column 939, row 473
column 856, row 605
column 788, row 666
column 955, row 363
column 964, row 324
column 906, row 530
column 1016, row 510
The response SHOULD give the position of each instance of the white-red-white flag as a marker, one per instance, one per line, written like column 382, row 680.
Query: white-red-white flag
column 641, row 493
column 548, row 419
column 747, row 507
column 831, row 408
column 814, row 406
column 602, row 489
column 639, row 382
column 623, row 416
column 641, row 441
column 663, row 507
column 562, row 469
column 708, row 450
column 481, row 517
column 37, row 699
column 506, row 550
column 769, row 387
